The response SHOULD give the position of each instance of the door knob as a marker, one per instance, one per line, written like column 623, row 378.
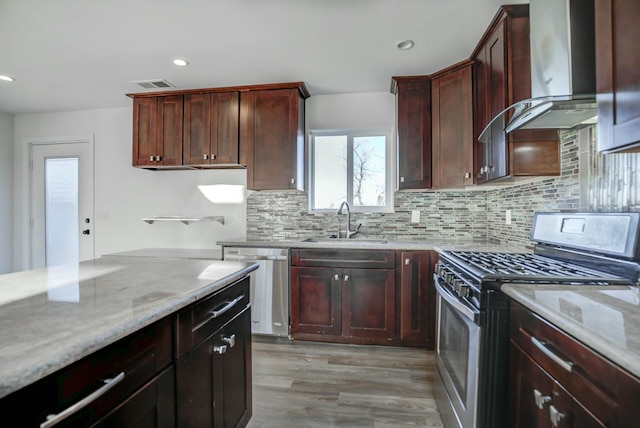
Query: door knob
column 86, row 232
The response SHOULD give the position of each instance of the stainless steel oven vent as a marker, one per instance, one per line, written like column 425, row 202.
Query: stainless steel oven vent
column 154, row 84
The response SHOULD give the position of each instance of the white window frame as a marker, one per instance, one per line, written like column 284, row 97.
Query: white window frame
column 389, row 168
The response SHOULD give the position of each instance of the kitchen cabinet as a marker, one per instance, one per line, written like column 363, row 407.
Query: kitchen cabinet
column 502, row 76
column 134, row 373
column 417, row 298
column 452, row 126
column 157, row 131
column 345, row 296
column 211, row 128
column 556, row 381
column 617, row 78
column 213, row 367
column 272, row 137
column 413, row 117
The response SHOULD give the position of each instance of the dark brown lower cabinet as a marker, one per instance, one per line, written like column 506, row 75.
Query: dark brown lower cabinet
column 417, row 298
column 555, row 381
column 214, row 378
column 189, row 369
column 377, row 297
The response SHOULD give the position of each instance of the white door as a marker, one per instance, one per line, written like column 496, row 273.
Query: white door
column 61, row 203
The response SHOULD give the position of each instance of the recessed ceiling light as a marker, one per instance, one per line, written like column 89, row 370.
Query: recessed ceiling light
column 405, row 44
column 180, row 62
column 6, row 78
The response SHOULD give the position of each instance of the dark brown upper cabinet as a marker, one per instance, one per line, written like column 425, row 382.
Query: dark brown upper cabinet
column 502, row 77
column 618, row 74
column 272, row 137
column 413, row 116
column 211, row 128
column 157, row 131
column 452, row 126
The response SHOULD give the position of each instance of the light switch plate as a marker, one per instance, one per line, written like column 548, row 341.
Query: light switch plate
column 415, row 216
column 507, row 216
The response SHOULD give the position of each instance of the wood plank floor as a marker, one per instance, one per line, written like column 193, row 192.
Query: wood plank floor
column 309, row 384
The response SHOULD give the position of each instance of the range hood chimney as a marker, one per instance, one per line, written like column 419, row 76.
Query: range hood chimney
column 562, row 48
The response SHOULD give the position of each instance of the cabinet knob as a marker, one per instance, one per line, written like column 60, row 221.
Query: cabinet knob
column 556, row 416
column 336, row 277
column 346, row 278
column 213, row 156
column 231, row 340
column 401, row 179
column 293, row 181
column 158, row 158
column 467, row 175
column 152, row 158
column 541, row 400
column 407, row 261
column 222, row 349
column 205, row 156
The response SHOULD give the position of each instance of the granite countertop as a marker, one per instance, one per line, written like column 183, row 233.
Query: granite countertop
column 173, row 253
column 604, row 318
column 50, row 318
column 372, row 243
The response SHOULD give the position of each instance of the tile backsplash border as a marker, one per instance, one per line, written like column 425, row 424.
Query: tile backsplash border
column 588, row 181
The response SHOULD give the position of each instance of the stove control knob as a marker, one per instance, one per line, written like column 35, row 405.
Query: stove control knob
column 457, row 285
column 464, row 291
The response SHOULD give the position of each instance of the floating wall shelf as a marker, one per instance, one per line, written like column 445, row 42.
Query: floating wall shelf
column 185, row 220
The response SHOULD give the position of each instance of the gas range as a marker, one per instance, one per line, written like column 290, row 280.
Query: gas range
column 473, row 314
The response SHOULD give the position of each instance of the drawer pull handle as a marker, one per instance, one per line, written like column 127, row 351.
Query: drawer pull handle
column 59, row 417
column 567, row 365
column 541, row 400
column 217, row 312
column 556, row 416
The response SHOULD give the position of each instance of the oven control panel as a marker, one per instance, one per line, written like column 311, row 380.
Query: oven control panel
column 457, row 283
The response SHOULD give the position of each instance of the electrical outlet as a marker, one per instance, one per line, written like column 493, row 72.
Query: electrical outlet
column 415, row 217
column 507, row 216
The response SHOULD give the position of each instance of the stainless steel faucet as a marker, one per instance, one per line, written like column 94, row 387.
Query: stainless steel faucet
column 348, row 233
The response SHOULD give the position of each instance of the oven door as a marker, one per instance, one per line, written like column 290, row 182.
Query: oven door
column 457, row 355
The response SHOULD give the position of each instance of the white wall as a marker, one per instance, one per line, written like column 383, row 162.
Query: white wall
column 6, row 193
column 359, row 110
column 123, row 194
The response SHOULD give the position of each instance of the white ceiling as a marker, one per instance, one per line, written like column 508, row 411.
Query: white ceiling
column 84, row 54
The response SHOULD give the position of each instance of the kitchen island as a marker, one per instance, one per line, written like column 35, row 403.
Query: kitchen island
column 54, row 318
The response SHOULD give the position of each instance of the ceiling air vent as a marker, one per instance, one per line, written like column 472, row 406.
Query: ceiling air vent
column 154, row 84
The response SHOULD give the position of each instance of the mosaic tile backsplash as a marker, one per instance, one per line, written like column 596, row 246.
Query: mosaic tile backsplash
column 588, row 181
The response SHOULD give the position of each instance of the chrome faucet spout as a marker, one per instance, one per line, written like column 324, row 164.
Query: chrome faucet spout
column 348, row 233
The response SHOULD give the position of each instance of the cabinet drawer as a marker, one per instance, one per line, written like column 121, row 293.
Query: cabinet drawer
column 128, row 363
column 198, row 321
column 375, row 259
column 603, row 388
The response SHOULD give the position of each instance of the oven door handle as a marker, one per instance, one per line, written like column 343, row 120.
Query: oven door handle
column 453, row 301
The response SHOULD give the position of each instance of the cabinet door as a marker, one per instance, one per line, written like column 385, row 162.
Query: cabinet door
column 452, row 129
column 316, row 301
column 368, row 308
column 491, row 100
column 145, row 132
column 414, row 134
column 169, row 143
column 417, row 300
column 530, row 392
column 225, row 116
column 271, row 138
column 197, row 129
column 213, row 380
column 617, row 77
column 150, row 407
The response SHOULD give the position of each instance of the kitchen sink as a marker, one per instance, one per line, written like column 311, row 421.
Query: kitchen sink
column 344, row 241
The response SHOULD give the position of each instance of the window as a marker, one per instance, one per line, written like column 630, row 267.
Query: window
column 352, row 166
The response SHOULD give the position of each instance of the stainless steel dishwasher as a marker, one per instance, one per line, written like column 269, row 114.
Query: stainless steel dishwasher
column 269, row 288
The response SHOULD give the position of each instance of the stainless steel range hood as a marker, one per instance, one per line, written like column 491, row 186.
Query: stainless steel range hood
column 562, row 48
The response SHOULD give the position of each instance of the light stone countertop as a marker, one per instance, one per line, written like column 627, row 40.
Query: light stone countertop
column 174, row 253
column 604, row 318
column 50, row 318
column 362, row 243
